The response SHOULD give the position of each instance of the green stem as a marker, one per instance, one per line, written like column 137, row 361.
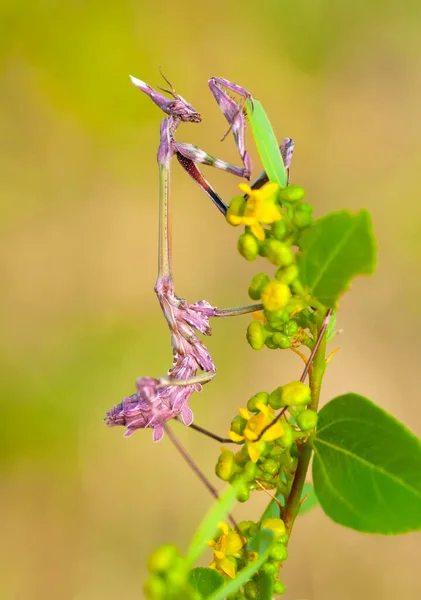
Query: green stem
column 293, row 503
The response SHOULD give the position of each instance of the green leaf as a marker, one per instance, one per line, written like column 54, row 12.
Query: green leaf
column 205, row 581
column 333, row 250
column 367, row 467
column 262, row 544
column 310, row 499
column 266, row 143
column 209, row 525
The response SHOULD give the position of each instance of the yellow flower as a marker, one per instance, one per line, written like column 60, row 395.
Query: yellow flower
column 228, row 544
column 260, row 208
column 254, row 427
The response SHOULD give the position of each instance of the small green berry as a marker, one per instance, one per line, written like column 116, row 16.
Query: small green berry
column 307, row 420
column 259, row 398
column 256, row 335
column 258, row 283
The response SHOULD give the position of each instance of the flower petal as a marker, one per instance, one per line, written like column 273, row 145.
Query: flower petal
column 258, row 231
column 254, row 450
column 235, row 437
column 246, row 189
column 227, row 567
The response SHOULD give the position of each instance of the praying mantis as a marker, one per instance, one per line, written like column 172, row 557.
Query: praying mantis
column 158, row 400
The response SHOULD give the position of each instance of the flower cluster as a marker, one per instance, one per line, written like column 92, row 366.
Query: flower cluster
column 231, row 553
column 269, row 444
column 286, row 322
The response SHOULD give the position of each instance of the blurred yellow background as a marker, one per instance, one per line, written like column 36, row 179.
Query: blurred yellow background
column 81, row 507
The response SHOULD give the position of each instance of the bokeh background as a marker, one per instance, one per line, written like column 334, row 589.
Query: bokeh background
column 81, row 507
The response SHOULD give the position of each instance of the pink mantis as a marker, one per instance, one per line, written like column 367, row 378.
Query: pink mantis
column 159, row 400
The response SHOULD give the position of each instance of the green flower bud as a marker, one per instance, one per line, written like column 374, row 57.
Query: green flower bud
column 279, row 229
column 249, row 471
column 176, row 576
column 279, row 552
column 270, row 568
column 162, row 558
column 275, row 295
column 307, row 420
column 292, row 193
column 270, row 343
column 256, row 335
column 251, row 590
column 279, row 253
column 281, row 340
column 275, row 525
column 257, row 284
column 259, row 398
column 248, row 246
column 235, row 209
column 296, row 393
column 277, row 317
column 238, row 424
column 270, row 466
column 265, row 448
column 278, row 587
column 244, row 527
column 155, row 588
column 242, row 492
column 302, row 215
column 262, row 247
column 275, row 399
column 290, row 328
column 284, row 539
column 287, row 439
column 287, row 274
column 225, row 467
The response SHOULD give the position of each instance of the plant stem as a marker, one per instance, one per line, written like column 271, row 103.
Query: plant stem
column 317, row 370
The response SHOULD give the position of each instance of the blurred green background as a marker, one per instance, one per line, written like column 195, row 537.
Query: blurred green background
column 81, row 507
